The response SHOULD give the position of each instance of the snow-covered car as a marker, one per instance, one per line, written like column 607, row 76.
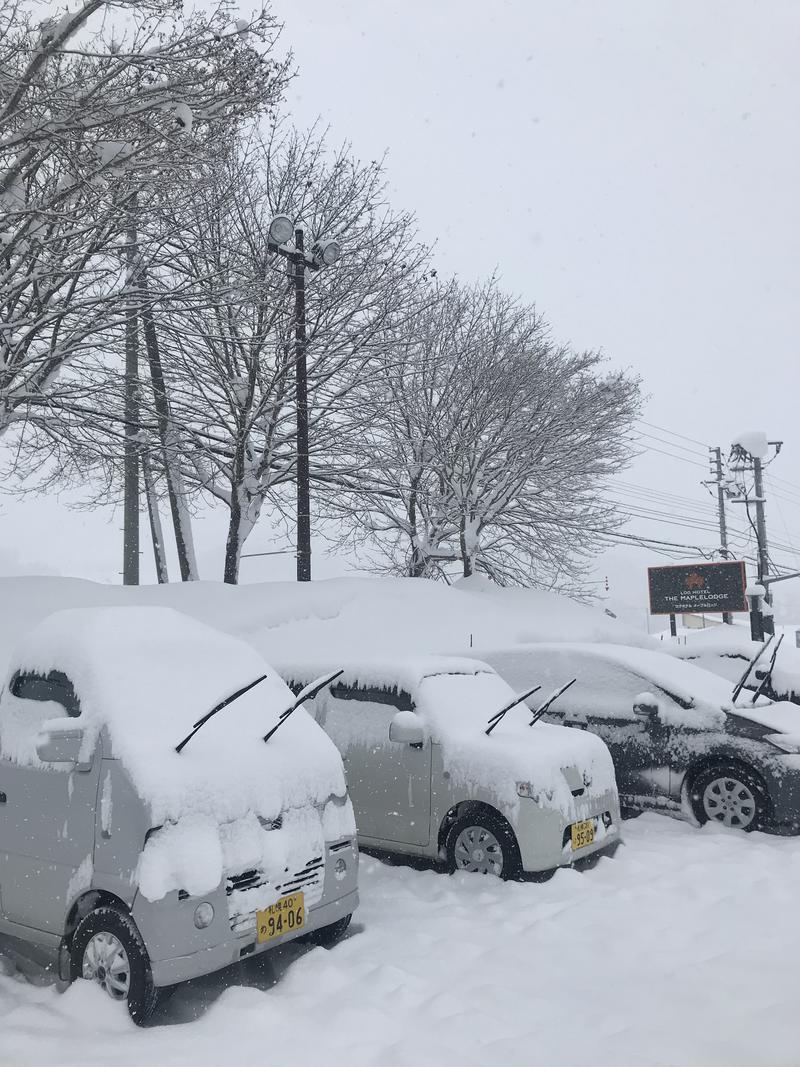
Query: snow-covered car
column 442, row 762
column 162, row 813
column 727, row 651
column 679, row 742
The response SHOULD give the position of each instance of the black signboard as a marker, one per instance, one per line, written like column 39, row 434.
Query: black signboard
column 702, row 587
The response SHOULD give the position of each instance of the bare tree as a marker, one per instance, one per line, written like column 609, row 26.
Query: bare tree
column 89, row 113
column 220, row 314
column 488, row 445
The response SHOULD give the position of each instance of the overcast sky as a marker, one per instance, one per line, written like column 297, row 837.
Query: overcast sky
column 631, row 166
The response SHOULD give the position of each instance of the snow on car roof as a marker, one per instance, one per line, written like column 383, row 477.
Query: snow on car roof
column 677, row 677
column 406, row 672
column 147, row 675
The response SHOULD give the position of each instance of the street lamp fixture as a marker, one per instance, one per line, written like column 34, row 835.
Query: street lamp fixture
column 323, row 253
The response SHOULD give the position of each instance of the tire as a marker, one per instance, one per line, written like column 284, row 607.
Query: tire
column 107, row 948
column 730, row 794
column 327, row 936
column 483, row 843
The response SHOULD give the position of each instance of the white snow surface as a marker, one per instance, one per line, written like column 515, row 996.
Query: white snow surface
column 677, row 952
column 147, row 675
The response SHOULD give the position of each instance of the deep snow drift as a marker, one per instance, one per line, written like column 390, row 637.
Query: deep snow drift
column 677, row 952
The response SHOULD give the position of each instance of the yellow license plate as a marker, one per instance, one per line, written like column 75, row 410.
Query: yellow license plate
column 582, row 834
column 285, row 916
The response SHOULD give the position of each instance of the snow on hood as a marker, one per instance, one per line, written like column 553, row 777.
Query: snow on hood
column 146, row 675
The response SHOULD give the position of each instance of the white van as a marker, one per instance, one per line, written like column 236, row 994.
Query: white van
column 162, row 813
column 436, row 768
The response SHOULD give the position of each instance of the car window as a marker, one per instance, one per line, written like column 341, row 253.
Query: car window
column 56, row 686
column 392, row 696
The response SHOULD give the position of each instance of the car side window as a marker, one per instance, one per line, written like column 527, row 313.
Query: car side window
column 391, row 696
column 55, row 686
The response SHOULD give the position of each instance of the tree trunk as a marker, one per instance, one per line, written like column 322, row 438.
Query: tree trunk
column 233, row 545
column 155, row 521
column 181, row 520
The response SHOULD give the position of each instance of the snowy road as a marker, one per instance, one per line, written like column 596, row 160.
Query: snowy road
column 681, row 950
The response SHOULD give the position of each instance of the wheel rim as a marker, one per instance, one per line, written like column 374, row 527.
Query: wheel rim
column 478, row 850
column 105, row 961
column 730, row 802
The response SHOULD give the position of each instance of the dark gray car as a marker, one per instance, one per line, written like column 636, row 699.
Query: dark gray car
column 678, row 743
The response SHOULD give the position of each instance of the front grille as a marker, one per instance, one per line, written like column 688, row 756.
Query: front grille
column 235, row 883
column 306, row 879
column 242, row 890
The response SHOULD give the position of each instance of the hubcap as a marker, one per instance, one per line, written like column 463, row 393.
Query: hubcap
column 105, row 961
column 730, row 802
column 478, row 850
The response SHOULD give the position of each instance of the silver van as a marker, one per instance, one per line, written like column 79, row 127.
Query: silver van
column 443, row 761
column 166, row 807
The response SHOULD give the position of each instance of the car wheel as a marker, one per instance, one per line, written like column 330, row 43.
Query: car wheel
column 327, row 936
column 108, row 949
column 481, row 844
column 730, row 795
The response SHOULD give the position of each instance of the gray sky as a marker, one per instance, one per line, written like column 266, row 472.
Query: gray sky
column 632, row 166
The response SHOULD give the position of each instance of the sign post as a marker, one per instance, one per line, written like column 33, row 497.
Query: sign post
column 697, row 588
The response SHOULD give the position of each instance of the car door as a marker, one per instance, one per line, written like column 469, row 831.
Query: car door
column 389, row 782
column 47, row 811
column 601, row 700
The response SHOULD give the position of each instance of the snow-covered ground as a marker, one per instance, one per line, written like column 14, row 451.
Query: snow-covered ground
column 677, row 952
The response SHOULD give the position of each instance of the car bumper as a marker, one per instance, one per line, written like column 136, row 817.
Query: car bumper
column 544, row 836
column 177, row 969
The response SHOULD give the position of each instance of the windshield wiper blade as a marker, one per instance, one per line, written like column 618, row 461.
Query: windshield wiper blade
column 737, row 689
column 308, row 693
column 768, row 676
column 500, row 715
column 222, row 704
column 550, row 700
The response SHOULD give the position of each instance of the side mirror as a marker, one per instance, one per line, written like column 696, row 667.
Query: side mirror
column 406, row 729
column 62, row 746
column 646, row 707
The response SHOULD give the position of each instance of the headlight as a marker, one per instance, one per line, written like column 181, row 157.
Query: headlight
column 785, row 742
column 525, row 789
column 340, row 869
column 203, row 915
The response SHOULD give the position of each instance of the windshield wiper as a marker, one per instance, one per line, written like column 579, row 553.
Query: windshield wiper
column 222, row 704
column 550, row 700
column 308, row 693
column 768, row 676
column 737, row 689
column 499, row 715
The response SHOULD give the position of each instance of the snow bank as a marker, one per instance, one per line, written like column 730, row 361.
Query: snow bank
column 374, row 615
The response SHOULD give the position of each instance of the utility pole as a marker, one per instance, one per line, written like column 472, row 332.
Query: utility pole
column 716, row 470
column 750, row 452
column 323, row 253
column 130, row 511
column 761, row 534
column 301, row 393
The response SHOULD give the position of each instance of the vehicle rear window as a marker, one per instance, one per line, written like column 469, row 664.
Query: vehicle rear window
column 55, row 685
